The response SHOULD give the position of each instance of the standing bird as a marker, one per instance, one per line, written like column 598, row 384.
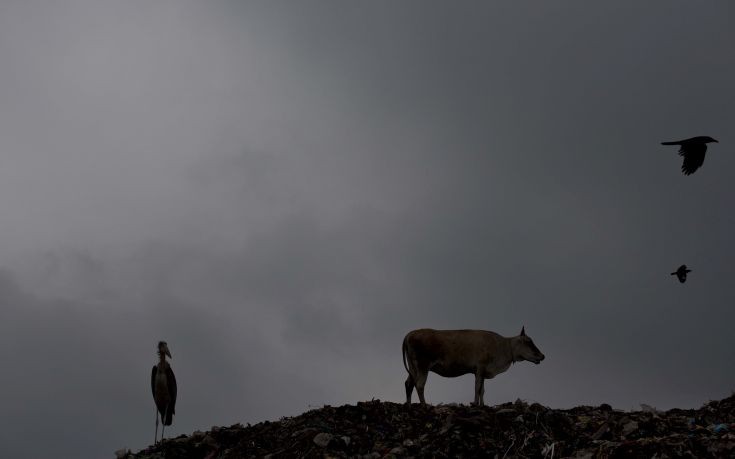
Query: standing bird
column 693, row 151
column 681, row 273
column 163, row 385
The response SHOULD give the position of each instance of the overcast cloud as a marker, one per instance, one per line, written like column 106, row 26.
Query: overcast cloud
column 282, row 190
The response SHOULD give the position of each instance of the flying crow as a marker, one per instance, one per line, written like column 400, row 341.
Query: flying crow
column 681, row 273
column 693, row 151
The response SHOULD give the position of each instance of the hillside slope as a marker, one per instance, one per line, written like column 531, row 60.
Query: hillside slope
column 379, row 429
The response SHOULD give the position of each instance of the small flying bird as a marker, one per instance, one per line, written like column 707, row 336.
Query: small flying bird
column 693, row 151
column 163, row 385
column 681, row 273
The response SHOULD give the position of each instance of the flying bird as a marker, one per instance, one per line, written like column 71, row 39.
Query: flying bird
column 681, row 273
column 693, row 151
column 163, row 385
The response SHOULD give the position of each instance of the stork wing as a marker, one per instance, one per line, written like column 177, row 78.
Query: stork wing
column 153, row 380
column 171, row 380
column 693, row 154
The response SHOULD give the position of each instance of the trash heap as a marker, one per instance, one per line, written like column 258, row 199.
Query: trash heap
column 378, row 429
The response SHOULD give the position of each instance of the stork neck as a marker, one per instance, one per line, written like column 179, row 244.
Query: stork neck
column 162, row 358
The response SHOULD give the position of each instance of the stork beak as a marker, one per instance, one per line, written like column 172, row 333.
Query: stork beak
column 164, row 348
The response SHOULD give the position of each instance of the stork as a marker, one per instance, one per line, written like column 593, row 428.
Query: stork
column 163, row 385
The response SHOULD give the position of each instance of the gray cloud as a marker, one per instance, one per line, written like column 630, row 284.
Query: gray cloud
column 282, row 191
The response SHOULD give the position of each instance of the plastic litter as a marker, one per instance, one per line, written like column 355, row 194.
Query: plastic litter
column 378, row 429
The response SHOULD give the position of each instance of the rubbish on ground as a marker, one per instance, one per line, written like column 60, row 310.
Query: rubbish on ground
column 378, row 429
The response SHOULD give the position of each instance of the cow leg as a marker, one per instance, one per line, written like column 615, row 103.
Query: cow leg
column 479, row 389
column 409, row 389
column 420, row 383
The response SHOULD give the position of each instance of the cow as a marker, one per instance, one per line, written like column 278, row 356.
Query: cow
column 452, row 353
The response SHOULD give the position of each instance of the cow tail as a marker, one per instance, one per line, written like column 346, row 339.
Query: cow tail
column 403, row 352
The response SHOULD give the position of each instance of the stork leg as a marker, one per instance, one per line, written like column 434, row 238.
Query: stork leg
column 163, row 423
column 155, row 437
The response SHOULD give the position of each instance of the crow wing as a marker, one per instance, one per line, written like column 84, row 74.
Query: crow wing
column 693, row 154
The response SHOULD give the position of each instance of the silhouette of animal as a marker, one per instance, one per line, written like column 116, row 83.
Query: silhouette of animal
column 452, row 353
column 681, row 273
column 693, row 151
column 163, row 386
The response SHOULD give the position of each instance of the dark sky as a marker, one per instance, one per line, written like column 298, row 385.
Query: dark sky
column 282, row 190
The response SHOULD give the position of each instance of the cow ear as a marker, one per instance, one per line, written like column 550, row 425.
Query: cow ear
column 523, row 331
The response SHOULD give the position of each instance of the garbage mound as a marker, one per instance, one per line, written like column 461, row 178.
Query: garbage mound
column 378, row 429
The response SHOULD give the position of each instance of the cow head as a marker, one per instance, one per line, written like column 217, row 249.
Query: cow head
column 524, row 349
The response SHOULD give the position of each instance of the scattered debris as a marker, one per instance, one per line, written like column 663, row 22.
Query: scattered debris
column 323, row 439
column 629, row 428
column 649, row 409
column 378, row 429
